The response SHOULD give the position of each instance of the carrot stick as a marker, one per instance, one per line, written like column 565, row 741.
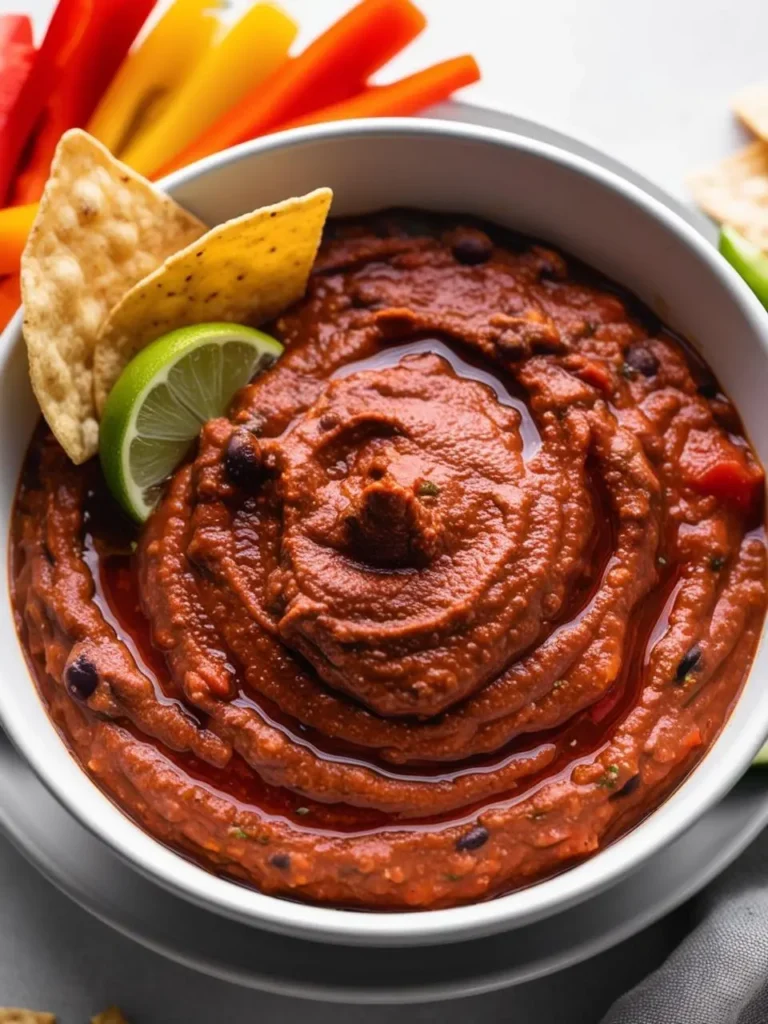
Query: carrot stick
column 15, row 222
column 10, row 298
column 332, row 69
column 407, row 96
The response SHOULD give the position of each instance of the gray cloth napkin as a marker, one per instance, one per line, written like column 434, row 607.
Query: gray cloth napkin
column 719, row 972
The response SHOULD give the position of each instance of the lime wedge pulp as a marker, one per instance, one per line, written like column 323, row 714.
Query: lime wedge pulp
column 761, row 757
column 163, row 397
column 747, row 260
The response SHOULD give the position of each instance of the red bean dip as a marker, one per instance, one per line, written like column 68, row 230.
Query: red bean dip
column 461, row 588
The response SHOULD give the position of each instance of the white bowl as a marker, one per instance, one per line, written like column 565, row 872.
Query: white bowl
column 539, row 190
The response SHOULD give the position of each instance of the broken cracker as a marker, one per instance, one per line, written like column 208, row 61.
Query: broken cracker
column 99, row 229
column 110, row 1016
column 735, row 192
column 10, row 1015
column 751, row 106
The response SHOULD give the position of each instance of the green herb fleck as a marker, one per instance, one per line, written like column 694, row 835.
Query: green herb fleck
column 608, row 781
column 450, row 877
column 134, row 545
column 716, row 563
column 262, row 840
column 302, row 811
column 238, row 833
column 428, row 489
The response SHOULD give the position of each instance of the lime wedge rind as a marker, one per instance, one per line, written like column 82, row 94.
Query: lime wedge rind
column 164, row 395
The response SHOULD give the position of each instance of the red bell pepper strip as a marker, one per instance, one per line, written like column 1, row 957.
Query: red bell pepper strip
column 85, row 44
column 333, row 68
column 408, row 96
column 712, row 464
column 16, row 53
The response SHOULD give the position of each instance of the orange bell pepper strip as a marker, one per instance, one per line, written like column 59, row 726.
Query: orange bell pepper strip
column 333, row 68
column 255, row 47
column 15, row 222
column 150, row 75
column 10, row 299
column 407, row 96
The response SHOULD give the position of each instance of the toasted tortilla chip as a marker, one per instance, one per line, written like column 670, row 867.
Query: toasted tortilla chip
column 735, row 192
column 100, row 229
column 110, row 1016
column 8, row 1015
column 245, row 271
column 751, row 105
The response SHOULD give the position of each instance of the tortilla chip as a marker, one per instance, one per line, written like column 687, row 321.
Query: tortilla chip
column 244, row 271
column 751, row 105
column 735, row 192
column 100, row 229
column 10, row 1016
column 110, row 1016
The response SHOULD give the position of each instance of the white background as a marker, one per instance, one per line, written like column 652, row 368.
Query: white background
column 648, row 80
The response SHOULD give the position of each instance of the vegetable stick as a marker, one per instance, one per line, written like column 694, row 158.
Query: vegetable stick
column 86, row 49
column 253, row 49
column 332, row 68
column 401, row 98
column 148, row 77
column 15, row 224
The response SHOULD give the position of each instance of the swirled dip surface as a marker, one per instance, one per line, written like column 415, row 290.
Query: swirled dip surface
column 459, row 590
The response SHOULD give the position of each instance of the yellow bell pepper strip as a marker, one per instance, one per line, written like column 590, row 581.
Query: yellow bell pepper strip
column 252, row 50
column 333, row 68
column 150, row 74
column 15, row 222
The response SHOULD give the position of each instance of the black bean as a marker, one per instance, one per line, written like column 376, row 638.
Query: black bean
column 471, row 247
column 642, row 359
column 242, row 460
column 281, row 861
column 707, row 387
column 82, row 677
column 627, row 789
column 689, row 663
column 474, row 839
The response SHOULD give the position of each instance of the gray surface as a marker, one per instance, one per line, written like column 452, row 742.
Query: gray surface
column 56, row 957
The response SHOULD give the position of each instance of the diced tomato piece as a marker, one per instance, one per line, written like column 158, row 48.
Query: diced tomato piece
column 712, row 464
column 596, row 375
column 732, row 481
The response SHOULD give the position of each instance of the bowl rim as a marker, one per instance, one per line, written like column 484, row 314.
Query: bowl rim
column 699, row 791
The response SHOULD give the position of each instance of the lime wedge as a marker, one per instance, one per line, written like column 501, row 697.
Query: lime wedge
column 163, row 397
column 747, row 260
column 761, row 757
